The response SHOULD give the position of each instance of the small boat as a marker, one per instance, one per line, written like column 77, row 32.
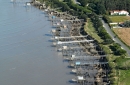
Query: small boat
column 53, row 30
column 46, row 10
column 28, row 4
column 74, row 70
column 78, row 78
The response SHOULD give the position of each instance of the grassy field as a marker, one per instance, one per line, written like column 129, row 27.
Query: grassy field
column 91, row 31
column 119, row 18
column 123, row 34
column 124, row 77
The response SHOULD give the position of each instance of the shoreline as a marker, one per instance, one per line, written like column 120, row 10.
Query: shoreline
column 72, row 34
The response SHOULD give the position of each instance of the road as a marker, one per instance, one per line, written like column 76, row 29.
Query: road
column 117, row 40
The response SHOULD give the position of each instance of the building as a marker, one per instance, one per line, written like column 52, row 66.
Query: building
column 121, row 12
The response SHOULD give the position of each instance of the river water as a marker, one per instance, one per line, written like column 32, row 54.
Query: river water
column 26, row 55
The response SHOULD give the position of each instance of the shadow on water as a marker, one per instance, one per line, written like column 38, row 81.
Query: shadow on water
column 70, row 81
column 54, row 27
column 53, row 46
column 72, row 73
column 68, row 73
column 69, row 66
column 64, row 60
column 50, row 40
column 48, row 35
column 48, row 20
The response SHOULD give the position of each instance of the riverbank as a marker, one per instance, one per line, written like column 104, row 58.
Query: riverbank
column 51, row 13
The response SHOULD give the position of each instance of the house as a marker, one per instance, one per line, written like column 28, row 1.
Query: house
column 119, row 12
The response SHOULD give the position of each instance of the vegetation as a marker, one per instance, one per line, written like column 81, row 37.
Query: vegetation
column 91, row 30
column 124, row 77
column 100, row 29
column 106, row 19
column 96, row 6
column 126, row 24
column 70, row 7
column 117, row 50
column 77, row 10
column 104, row 6
column 119, row 18
column 113, row 76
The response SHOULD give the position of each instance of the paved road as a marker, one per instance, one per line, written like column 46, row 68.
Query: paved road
column 117, row 40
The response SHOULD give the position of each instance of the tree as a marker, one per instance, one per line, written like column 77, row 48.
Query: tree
column 127, row 23
column 106, row 19
column 83, row 2
column 126, row 64
column 100, row 9
column 121, row 52
column 83, row 16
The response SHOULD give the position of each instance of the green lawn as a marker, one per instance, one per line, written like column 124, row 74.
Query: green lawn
column 91, row 31
column 119, row 18
column 124, row 77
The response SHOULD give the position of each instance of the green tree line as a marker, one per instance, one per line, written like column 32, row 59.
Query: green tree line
column 104, row 6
